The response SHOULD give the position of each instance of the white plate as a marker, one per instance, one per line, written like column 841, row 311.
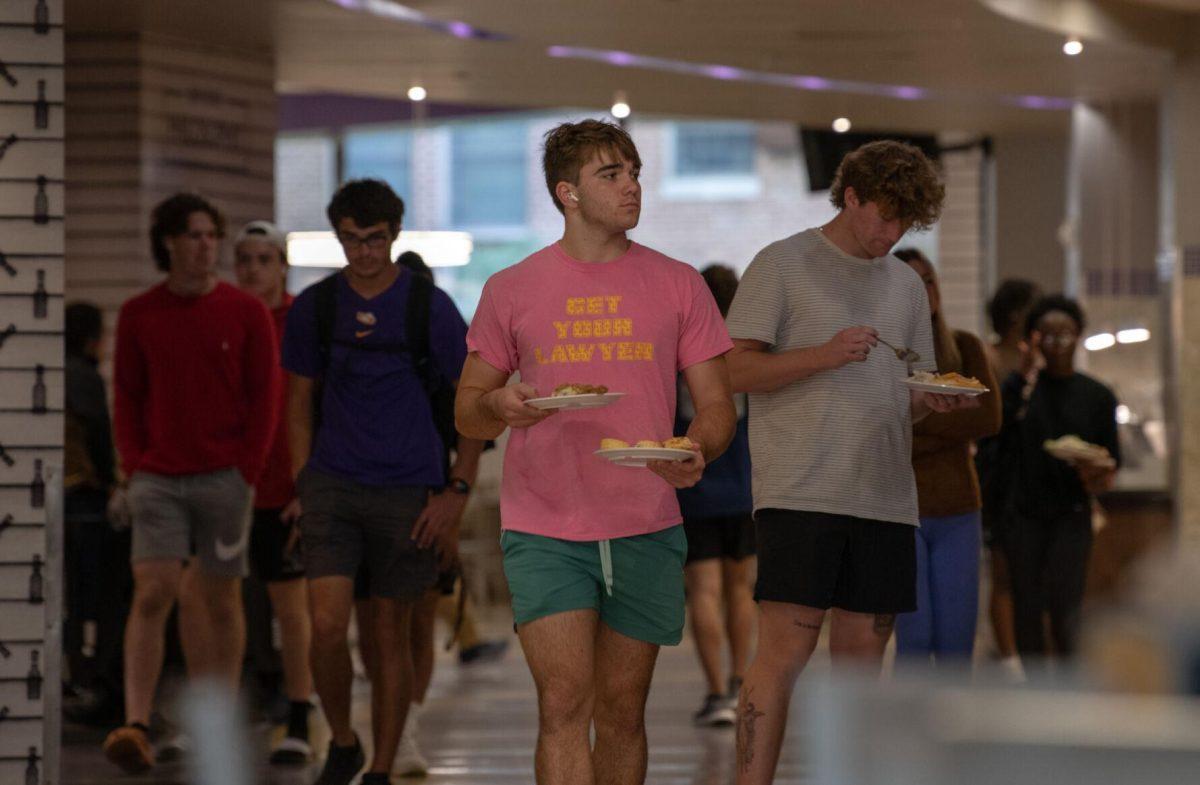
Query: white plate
column 945, row 389
column 637, row 456
column 589, row 401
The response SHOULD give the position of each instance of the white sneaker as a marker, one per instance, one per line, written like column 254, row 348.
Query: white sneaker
column 1014, row 672
column 409, row 760
column 175, row 748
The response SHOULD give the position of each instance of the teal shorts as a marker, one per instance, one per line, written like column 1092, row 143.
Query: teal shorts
column 634, row 583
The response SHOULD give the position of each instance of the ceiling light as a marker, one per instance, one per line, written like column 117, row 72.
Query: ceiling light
column 1099, row 341
column 1072, row 47
column 1133, row 335
column 841, row 125
column 620, row 108
column 416, row 93
column 1124, row 416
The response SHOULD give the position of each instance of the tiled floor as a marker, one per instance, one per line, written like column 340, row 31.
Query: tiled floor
column 480, row 726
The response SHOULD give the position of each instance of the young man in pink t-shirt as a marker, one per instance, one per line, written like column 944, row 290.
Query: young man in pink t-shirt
column 593, row 551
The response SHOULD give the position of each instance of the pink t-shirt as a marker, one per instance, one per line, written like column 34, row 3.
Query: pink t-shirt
column 631, row 324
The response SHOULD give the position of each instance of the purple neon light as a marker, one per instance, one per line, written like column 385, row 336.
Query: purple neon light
column 398, row 12
column 796, row 81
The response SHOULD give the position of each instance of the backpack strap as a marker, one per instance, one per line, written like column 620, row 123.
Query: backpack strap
column 416, row 330
column 326, row 312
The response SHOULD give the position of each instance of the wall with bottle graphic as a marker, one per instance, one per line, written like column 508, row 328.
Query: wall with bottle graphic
column 31, row 384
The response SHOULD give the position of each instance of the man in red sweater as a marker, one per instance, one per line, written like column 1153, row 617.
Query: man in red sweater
column 196, row 404
column 260, row 263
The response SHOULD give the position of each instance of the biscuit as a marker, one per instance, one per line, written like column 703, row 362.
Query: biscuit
column 613, row 444
column 648, row 443
column 679, row 443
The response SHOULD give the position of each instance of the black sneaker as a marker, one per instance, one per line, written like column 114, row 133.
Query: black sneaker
column 342, row 764
column 715, row 712
column 488, row 651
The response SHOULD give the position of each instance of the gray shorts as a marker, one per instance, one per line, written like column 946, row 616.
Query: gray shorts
column 201, row 516
column 346, row 524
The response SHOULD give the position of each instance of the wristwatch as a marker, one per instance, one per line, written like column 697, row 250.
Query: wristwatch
column 458, row 485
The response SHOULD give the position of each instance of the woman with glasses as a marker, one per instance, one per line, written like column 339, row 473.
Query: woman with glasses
column 1049, row 535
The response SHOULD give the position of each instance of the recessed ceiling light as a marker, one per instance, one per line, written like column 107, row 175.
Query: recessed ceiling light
column 1072, row 47
column 1099, row 342
column 416, row 93
column 620, row 108
column 841, row 125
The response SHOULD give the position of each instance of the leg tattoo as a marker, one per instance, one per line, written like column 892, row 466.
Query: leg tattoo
column 745, row 731
column 884, row 622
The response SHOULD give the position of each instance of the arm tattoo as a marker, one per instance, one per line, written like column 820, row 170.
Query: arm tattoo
column 884, row 622
column 748, row 715
column 806, row 625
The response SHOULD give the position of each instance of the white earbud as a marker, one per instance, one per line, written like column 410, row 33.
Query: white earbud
column 573, row 195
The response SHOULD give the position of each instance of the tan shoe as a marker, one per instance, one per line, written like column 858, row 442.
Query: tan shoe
column 129, row 748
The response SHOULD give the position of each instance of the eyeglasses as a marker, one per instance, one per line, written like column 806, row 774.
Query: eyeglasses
column 374, row 241
column 1061, row 340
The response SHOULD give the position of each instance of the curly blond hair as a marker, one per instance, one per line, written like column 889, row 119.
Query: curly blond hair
column 898, row 177
column 571, row 145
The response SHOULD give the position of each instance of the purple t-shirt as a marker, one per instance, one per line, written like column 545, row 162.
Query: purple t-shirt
column 376, row 423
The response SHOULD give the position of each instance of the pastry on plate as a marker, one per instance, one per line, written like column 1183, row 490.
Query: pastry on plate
column 951, row 379
column 613, row 444
column 679, row 443
column 649, row 443
column 576, row 388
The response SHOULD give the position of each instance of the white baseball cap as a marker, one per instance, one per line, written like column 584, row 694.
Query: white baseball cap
column 262, row 230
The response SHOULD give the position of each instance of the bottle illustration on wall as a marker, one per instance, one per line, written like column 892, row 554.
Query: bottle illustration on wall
column 37, row 489
column 33, row 680
column 41, row 297
column 41, row 108
column 41, row 18
column 39, row 389
column 41, row 202
column 37, row 590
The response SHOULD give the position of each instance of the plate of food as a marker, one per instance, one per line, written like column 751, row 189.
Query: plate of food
column 623, row 453
column 575, row 396
column 946, row 384
column 1073, row 450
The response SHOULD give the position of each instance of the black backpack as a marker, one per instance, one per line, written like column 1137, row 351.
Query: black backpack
column 417, row 333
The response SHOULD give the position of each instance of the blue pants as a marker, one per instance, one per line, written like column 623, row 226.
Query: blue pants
column 947, row 590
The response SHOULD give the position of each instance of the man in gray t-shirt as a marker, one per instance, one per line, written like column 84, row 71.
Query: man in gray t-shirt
column 831, row 430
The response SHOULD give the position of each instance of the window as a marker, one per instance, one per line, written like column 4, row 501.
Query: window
column 488, row 174
column 305, row 175
column 384, row 154
column 711, row 160
column 708, row 149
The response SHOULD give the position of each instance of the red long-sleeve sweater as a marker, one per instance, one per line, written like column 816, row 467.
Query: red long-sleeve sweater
column 195, row 382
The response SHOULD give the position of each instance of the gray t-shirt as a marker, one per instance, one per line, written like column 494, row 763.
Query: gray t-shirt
column 839, row 441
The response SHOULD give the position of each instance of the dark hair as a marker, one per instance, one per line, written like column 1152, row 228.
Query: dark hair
column 945, row 347
column 1010, row 301
column 1054, row 302
column 170, row 219
column 413, row 261
column 723, row 283
column 366, row 202
column 569, row 146
column 897, row 177
column 82, row 323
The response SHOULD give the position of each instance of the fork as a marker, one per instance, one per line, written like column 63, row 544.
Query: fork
column 903, row 355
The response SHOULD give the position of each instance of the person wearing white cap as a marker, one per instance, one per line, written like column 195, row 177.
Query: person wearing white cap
column 260, row 263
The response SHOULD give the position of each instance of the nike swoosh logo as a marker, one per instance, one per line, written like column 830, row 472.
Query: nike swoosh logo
column 362, row 333
column 230, row 552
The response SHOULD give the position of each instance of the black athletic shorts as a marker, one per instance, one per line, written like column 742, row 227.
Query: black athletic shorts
column 836, row 561
column 268, row 538
column 724, row 537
